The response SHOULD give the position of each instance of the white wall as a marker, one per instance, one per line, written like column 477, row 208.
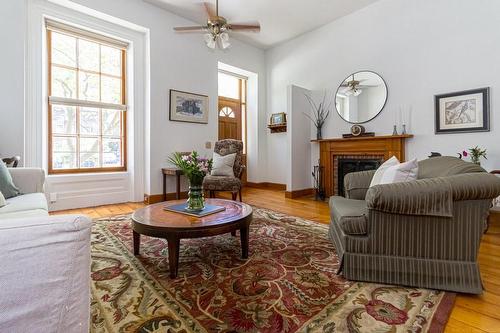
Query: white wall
column 420, row 48
column 12, row 29
column 183, row 62
column 298, row 137
column 177, row 61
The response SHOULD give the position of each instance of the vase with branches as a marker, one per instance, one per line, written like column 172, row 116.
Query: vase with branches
column 319, row 113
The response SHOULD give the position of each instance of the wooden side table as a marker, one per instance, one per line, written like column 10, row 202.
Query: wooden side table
column 172, row 172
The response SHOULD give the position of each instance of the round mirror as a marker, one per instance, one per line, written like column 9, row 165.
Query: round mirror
column 361, row 97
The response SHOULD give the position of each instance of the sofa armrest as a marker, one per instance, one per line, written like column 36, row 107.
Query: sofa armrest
column 45, row 275
column 357, row 183
column 474, row 186
column 28, row 180
column 426, row 197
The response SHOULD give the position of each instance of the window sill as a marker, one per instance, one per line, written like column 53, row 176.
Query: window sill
column 89, row 175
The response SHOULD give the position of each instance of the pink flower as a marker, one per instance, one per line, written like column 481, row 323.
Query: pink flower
column 464, row 153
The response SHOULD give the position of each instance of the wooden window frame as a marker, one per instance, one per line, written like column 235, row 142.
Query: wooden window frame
column 243, row 83
column 98, row 105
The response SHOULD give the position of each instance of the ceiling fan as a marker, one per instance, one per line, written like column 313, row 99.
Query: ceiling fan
column 217, row 28
column 353, row 87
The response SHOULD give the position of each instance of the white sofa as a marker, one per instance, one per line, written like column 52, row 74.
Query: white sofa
column 45, row 263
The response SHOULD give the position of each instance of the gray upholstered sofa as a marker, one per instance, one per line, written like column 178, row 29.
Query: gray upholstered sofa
column 423, row 233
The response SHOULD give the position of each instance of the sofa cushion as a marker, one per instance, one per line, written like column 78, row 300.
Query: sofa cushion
column 398, row 173
column 26, row 203
column 350, row 215
column 221, row 183
column 7, row 186
column 444, row 166
column 223, row 165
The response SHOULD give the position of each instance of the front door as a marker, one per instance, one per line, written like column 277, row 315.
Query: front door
column 230, row 123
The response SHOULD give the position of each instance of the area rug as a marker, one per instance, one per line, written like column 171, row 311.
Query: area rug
column 288, row 284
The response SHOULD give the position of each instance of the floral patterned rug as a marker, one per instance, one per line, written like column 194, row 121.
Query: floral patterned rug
column 288, row 284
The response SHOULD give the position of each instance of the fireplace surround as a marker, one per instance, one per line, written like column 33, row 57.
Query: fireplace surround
column 370, row 148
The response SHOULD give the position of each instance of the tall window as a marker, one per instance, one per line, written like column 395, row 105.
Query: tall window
column 87, row 108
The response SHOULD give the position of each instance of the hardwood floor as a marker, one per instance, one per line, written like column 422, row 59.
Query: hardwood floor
column 470, row 313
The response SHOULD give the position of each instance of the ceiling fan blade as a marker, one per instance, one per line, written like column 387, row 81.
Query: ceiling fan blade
column 210, row 10
column 193, row 28
column 241, row 26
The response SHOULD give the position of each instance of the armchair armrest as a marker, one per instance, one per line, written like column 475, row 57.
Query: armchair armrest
column 357, row 183
column 28, row 180
column 240, row 172
column 427, row 197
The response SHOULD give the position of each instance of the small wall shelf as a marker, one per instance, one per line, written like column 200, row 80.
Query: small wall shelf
column 279, row 128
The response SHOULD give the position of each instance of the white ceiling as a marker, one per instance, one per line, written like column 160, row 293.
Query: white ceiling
column 280, row 19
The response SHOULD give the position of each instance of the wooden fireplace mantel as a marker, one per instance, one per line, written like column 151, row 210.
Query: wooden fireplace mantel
column 382, row 147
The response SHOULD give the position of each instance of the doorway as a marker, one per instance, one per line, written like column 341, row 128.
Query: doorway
column 232, row 109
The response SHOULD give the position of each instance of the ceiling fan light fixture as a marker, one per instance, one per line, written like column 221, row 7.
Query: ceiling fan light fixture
column 357, row 92
column 224, row 40
column 217, row 28
column 210, row 40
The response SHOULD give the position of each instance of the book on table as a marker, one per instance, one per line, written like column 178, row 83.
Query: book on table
column 182, row 209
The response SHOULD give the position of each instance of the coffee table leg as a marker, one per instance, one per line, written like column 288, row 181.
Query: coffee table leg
column 137, row 242
column 173, row 256
column 244, row 233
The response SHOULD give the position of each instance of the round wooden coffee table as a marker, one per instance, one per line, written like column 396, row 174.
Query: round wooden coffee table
column 155, row 221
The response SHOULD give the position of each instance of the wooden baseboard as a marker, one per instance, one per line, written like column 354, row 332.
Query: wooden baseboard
column 155, row 198
column 267, row 185
column 299, row 193
column 494, row 218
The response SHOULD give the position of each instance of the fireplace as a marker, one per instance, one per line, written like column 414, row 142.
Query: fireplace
column 348, row 165
column 375, row 148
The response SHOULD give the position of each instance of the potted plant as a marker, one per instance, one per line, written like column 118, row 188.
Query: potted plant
column 195, row 168
column 319, row 113
column 475, row 154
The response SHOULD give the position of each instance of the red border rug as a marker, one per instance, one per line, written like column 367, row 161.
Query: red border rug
column 288, row 284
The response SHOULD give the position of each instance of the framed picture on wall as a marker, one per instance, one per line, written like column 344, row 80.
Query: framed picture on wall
column 188, row 107
column 278, row 118
column 463, row 111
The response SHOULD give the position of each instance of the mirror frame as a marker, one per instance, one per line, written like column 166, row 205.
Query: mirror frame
column 383, row 105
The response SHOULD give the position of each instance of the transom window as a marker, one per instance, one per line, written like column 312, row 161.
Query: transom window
column 226, row 112
column 87, row 108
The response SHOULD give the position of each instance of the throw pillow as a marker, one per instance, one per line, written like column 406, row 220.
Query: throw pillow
column 7, row 186
column 223, row 165
column 401, row 172
column 2, row 200
column 377, row 177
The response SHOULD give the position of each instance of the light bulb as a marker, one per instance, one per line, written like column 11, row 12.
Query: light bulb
column 210, row 40
column 224, row 40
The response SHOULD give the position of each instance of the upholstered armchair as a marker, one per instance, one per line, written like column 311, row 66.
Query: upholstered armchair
column 424, row 233
column 223, row 183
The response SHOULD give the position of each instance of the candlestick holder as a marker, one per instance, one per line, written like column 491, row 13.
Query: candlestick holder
column 395, row 130
column 403, row 131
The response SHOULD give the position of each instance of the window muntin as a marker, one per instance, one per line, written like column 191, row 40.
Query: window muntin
column 227, row 112
column 87, row 110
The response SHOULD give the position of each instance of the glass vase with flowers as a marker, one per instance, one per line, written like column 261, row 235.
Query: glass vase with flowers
column 195, row 168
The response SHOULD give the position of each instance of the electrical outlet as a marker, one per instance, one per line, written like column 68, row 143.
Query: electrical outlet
column 53, row 197
column 208, row 145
